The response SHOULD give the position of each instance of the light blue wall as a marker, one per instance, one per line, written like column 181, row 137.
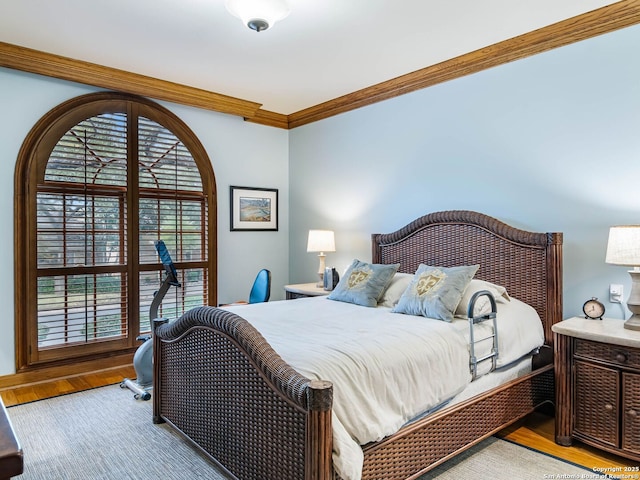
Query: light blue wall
column 241, row 153
column 547, row 143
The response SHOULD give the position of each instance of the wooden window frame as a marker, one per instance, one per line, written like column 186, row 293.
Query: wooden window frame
column 32, row 159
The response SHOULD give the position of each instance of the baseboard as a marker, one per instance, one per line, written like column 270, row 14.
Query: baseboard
column 59, row 372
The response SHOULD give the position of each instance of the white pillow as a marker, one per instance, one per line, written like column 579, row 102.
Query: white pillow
column 483, row 304
column 394, row 291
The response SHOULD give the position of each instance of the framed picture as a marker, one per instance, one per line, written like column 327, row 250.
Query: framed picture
column 254, row 208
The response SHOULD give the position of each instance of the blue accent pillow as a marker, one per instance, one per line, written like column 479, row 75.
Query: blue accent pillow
column 363, row 283
column 435, row 292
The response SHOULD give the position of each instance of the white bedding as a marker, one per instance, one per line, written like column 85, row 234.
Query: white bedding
column 385, row 367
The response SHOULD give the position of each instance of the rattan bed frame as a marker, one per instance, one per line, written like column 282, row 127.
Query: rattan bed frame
column 218, row 382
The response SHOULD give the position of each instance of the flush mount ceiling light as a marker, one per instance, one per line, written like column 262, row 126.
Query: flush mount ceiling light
column 258, row 15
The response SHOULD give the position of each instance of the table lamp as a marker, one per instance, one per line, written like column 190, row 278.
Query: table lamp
column 623, row 248
column 321, row 241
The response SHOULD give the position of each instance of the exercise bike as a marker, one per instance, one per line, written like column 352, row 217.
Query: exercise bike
column 143, row 358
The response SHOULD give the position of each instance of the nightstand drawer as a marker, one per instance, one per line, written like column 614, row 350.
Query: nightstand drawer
column 613, row 354
column 631, row 412
column 294, row 295
column 303, row 290
column 596, row 402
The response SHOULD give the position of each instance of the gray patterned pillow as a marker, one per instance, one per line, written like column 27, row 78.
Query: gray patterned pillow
column 435, row 292
column 363, row 283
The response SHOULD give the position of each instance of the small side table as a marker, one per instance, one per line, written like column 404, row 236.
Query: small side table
column 597, row 368
column 301, row 290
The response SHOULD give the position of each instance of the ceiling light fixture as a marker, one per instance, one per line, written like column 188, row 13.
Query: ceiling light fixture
column 258, row 15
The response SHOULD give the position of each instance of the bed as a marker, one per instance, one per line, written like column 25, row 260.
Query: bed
column 222, row 385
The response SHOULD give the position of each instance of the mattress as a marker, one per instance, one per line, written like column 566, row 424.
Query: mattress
column 386, row 368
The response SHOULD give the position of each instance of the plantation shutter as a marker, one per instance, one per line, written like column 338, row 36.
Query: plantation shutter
column 92, row 294
column 172, row 208
column 82, row 237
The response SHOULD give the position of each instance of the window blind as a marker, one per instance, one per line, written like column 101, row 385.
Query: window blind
column 84, row 272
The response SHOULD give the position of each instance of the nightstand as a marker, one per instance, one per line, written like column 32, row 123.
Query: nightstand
column 597, row 371
column 302, row 290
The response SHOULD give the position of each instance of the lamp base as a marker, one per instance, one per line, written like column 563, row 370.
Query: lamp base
column 633, row 303
column 321, row 257
column 633, row 323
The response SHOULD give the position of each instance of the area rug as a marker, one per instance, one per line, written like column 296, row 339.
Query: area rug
column 106, row 434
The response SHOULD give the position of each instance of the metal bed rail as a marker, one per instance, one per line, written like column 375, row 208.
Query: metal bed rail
column 493, row 337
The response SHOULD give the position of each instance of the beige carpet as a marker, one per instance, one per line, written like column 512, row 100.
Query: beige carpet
column 105, row 434
column 499, row 459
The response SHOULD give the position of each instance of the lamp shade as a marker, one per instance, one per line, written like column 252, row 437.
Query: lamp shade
column 321, row 241
column 258, row 15
column 623, row 247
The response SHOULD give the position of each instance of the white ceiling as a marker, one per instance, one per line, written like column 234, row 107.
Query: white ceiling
column 322, row 50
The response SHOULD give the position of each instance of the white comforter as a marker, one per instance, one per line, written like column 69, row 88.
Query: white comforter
column 386, row 368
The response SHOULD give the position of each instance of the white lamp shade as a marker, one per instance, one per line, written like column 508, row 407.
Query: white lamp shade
column 321, row 241
column 623, row 247
column 270, row 11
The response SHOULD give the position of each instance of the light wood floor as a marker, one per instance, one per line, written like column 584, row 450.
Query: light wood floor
column 535, row 431
column 42, row 390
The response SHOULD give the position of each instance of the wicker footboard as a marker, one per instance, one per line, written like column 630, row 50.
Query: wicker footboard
column 218, row 382
column 440, row 436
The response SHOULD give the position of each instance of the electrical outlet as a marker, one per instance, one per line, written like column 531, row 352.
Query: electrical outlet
column 615, row 293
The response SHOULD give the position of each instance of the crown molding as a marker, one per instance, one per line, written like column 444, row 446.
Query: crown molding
column 50, row 65
column 603, row 20
column 271, row 119
column 597, row 22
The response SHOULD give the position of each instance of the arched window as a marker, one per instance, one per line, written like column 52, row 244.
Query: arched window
column 99, row 179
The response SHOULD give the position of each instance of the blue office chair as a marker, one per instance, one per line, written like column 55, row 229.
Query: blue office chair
column 261, row 290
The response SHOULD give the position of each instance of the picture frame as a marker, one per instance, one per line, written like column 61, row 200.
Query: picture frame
column 253, row 209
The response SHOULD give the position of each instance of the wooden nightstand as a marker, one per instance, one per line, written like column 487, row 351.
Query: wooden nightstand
column 301, row 290
column 597, row 369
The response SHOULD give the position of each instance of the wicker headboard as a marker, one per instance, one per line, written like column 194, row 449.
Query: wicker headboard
column 528, row 264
